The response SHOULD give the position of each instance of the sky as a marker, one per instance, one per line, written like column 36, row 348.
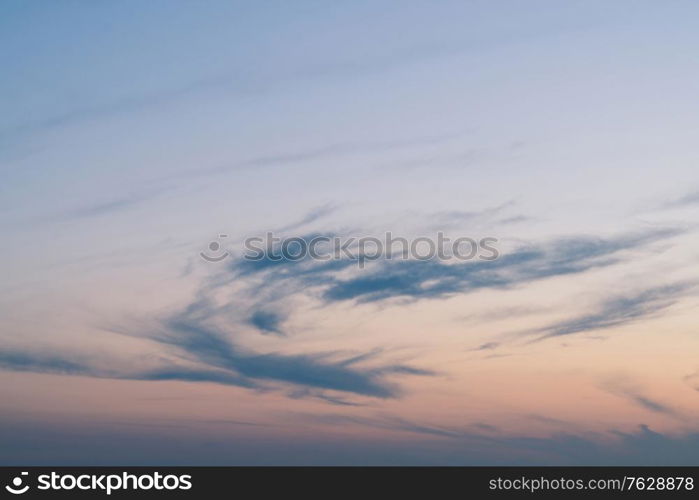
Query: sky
column 134, row 134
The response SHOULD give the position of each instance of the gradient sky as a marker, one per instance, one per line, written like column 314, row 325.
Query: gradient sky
column 133, row 133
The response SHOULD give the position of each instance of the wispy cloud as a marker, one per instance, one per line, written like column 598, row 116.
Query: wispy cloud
column 110, row 206
column 684, row 201
column 192, row 334
column 212, row 359
column 629, row 390
column 429, row 279
column 488, row 346
column 692, row 380
column 18, row 360
column 37, row 361
column 322, row 396
column 422, row 444
column 322, row 152
column 641, row 447
column 617, row 311
column 393, row 424
column 449, row 218
column 267, row 322
column 203, row 352
column 224, row 82
column 312, row 216
column 202, row 342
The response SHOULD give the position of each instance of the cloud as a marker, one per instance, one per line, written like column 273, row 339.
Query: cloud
column 651, row 405
column 205, row 352
column 17, row 360
column 217, row 361
column 305, row 269
column 325, row 152
column 617, row 311
column 312, row 216
column 321, row 395
column 502, row 313
column 266, row 322
column 193, row 336
column 516, row 219
column 459, row 446
column 390, row 423
column 692, row 380
column 448, row 218
column 629, row 390
column 684, row 201
column 202, row 340
column 429, row 279
column 647, row 403
column 487, row 346
column 110, row 206
column 225, row 82
column 69, row 364
column 336, row 281
column 185, row 374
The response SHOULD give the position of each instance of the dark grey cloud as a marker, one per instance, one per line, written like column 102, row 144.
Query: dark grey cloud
column 645, row 402
column 17, row 360
column 487, row 346
column 68, row 364
column 194, row 338
column 206, row 353
column 215, row 360
column 642, row 447
column 274, row 259
column 415, row 279
column 204, row 338
column 420, row 279
column 631, row 391
column 267, row 322
column 427, row 279
column 617, row 311
column 186, row 374
column 651, row 405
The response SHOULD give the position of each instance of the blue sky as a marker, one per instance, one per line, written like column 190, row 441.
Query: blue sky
column 133, row 134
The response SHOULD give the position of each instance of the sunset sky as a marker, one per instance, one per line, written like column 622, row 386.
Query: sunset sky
column 133, row 134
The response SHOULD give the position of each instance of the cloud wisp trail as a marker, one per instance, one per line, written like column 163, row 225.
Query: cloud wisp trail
column 618, row 311
column 419, row 279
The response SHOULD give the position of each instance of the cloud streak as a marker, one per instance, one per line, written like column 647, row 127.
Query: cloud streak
column 267, row 322
column 618, row 311
column 419, row 279
column 684, row 201
column 205, row 353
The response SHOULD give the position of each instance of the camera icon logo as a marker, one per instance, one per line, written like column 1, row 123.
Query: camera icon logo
column 16, row 487
column 215, row 253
